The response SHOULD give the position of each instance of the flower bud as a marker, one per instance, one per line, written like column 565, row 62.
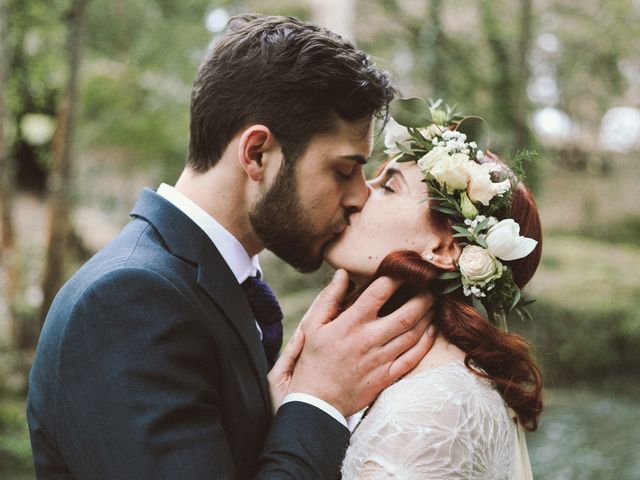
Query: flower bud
column 469, row 210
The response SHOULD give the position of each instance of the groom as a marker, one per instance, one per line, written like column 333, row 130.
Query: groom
column 150, row 364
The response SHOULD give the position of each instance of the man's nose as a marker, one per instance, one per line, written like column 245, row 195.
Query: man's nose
column 358, row 193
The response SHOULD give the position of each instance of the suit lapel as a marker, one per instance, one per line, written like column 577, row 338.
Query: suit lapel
column 187, row 241
column 215, row 278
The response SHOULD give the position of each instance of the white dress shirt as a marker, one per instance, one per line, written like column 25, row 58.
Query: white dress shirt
column 243, row 267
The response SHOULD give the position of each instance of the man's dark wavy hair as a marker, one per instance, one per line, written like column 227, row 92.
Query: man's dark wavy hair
column 294, row 77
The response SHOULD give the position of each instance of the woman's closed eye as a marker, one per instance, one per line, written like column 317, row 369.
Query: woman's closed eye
column 387, row 186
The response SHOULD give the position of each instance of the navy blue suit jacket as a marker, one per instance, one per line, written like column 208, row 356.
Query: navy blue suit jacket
column 150, row 366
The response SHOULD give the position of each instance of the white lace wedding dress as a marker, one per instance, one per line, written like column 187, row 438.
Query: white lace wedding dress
column 441, row 423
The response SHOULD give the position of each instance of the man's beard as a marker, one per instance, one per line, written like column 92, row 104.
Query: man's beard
column 283, row 225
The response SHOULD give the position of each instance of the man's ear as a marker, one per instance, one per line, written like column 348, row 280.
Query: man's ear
column 254, row 142
column 443, row 252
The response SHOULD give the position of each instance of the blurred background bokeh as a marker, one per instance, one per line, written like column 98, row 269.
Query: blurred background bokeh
column 94, row 105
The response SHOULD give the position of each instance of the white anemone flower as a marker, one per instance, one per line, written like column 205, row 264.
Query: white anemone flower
column 504, row 241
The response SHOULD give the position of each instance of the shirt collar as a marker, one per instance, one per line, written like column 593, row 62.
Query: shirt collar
column 229, row 247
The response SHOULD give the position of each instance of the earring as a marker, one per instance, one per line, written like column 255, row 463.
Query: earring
column 429, row 257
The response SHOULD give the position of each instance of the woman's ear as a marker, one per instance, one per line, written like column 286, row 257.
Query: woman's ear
column 254, row 142
column 443, row 252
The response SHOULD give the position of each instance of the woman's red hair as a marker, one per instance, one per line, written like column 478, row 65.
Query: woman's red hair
column 502, row 357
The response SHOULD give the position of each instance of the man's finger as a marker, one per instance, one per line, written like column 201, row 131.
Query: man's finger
column 373, row 298
column 403, row 342
column 410, row 358
column 326, row 305
column 402, row 319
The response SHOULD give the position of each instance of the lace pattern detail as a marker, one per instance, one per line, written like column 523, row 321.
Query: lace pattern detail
column 443, row 423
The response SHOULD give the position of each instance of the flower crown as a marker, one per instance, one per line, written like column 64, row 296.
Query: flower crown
column 475, row 193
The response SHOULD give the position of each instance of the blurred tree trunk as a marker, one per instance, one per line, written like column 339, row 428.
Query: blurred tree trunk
column 511, row 73
column 8, row 253
column 436, row 48
column 421, row 36
column 521, row 110
column 60, row 191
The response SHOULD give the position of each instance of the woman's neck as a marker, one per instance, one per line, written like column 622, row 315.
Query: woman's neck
column 441, row 353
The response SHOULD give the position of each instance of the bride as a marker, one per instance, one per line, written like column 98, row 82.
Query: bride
column 473, row 244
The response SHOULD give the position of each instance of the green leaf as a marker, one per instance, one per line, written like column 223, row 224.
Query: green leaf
column 445, row 210
column 482, row 242
column 461, row 229
column 415, row 133
column 410, row 112
column 406, row 158
column 452, row 288
column 463, row 235
column 477, row 304
column 481, row 226
column 404, row 149
column 449, row 275
column 518, row 311
column 516, row 299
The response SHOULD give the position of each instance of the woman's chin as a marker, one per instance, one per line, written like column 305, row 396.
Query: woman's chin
column 331, row 256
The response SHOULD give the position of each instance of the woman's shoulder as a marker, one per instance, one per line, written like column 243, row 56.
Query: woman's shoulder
column 446, row 408
column 451, row 385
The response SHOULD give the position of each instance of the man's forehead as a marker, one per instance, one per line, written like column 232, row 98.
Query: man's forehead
column 346, row 139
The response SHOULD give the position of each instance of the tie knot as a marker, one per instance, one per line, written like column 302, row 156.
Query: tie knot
column 263, row 301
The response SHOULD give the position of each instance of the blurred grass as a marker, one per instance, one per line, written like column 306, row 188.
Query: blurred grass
column 15, row 449
column 587, row 315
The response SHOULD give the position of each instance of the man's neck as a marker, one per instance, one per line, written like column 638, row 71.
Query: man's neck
column 221, row 193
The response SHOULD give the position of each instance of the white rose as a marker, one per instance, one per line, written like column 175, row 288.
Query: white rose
column 504, row 241
column 432, row 131
column 435, row 155
column 452, row 171
column 478, row 266
column 481, row 188
column 395, row 133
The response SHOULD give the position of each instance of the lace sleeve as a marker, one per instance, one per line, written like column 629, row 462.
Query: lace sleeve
column 445, row 423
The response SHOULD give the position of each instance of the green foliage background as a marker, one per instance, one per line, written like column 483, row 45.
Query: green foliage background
column 141, row 55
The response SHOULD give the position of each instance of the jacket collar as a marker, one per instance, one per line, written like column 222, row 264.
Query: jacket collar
column 184, row 239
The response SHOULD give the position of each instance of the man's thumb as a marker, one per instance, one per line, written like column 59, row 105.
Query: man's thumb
column 289, row 355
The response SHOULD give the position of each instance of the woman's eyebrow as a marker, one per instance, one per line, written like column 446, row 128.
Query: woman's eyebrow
column 390, row 172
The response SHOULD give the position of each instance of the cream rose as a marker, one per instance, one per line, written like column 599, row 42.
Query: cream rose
column 504, row 241
column 452, row 171
column 432, row 131
column 435, row 155
column 481, row 188
column 478, row 266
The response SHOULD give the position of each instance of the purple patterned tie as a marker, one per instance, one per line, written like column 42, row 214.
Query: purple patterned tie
column 266, row 309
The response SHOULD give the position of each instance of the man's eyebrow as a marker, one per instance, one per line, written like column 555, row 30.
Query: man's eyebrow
column 356, row 158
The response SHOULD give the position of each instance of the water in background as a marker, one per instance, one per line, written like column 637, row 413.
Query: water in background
column 587, row 435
